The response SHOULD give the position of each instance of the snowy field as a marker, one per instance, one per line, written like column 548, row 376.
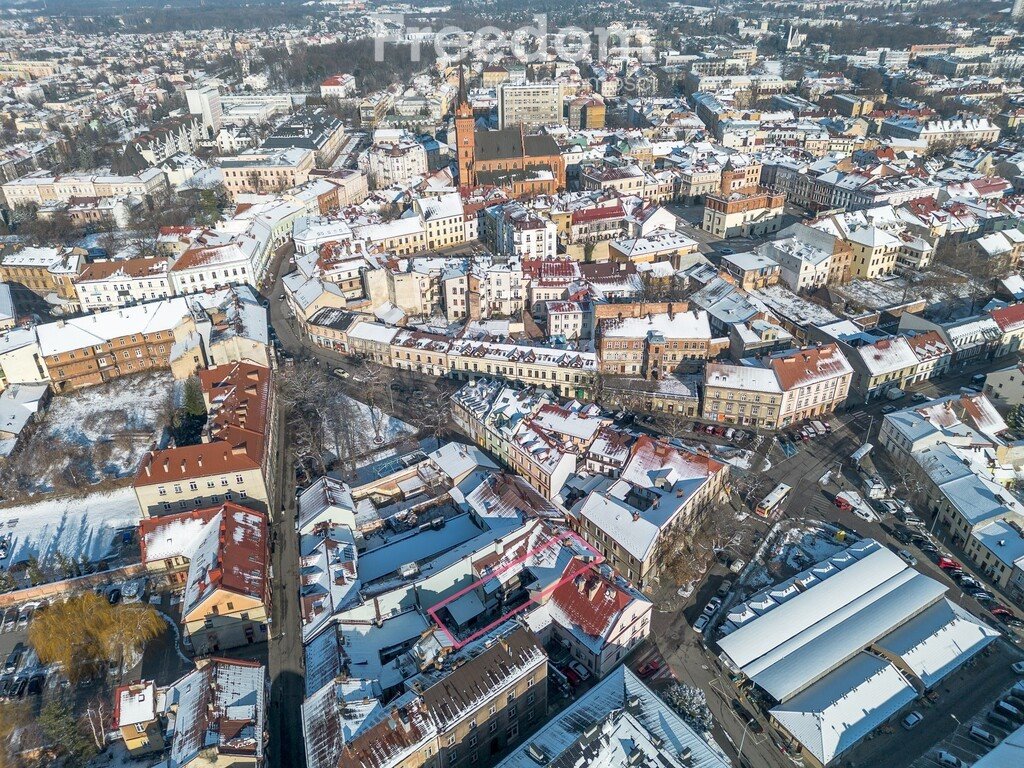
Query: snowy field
column 97, row 433
column 75, row 527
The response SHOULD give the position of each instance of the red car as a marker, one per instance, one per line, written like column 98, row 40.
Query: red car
column 843, row 504
column 999, row 610
column 948, row 563
column 572, row 677
column 649, row 668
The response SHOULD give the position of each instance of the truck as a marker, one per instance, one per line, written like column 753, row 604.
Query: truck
column 894, row 393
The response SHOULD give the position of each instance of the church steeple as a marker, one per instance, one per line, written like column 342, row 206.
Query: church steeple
column 465, row 140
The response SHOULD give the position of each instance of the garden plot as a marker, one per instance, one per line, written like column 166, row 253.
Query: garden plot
column 94, row 435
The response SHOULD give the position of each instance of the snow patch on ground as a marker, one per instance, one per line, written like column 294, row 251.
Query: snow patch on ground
column 99, row 433
column 87, row 527
column 371, row 423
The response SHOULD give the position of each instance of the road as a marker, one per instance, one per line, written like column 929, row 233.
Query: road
column 285, row 659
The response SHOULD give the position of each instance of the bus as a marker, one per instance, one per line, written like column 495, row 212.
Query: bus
column 773, row 500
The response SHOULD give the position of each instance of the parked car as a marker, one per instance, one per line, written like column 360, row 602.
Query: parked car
column 945, row 563
column 582, row 672
column 13, row 658
column 888, row 408
column 1006, row 709
column 908, row 558
column 712, row 606
column 919, row 397
column 35, row 684
column 999, row 721
column 724, row 587
column 1000, row 610
column 1018, row 667
column 912, row 720
column 701, row 623
column 942, row 757
column 980, row 734
column 341, row 373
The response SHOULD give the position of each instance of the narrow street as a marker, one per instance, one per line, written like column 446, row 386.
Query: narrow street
column 287, row 678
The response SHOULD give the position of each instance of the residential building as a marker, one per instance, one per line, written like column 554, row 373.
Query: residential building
column 472, row 713
column 663, row 492
column 221, row 558
column 44, row 270
column 106, row 345
column 263, row 171
column 618, row 720
column 235, row 463
column 655, row 344
column 220, row 715
column 786, row 388
column 110, row 284
column 743, row 214
column 529, row 105
column 137, row 718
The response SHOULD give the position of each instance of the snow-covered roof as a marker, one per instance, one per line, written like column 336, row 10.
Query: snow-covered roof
column 627, row 713
column 845, row 706
column 102, row 327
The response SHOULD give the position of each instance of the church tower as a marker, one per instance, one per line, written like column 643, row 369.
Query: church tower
column 464, row 127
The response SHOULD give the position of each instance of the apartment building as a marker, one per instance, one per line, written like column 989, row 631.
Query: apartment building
column 41, row 187
column 137, row 718
column 89, row 350
column 662, row 491
column 531, row 105
column 265, row 171
column 396, row 162
column 44, row 270
column 220, row 557
column 789, row 387
column 235, row 461
column 653, row 345
column 743, row 214
column 443, row 218
column 469, row 715
column 110, row 284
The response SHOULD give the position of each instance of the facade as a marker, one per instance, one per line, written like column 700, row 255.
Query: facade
column 44, row 270
column 662, row 492
column 110, row 284
column 791, row 386
column 137, row 719
column 653, row 345
column 103, row 346
column 396, row 162
column 743, row 214
column 41, row 187
column 531, row 105
column 263, row 171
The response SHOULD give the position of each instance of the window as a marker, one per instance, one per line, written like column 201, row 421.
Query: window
column 472, row 723
column 140, row 728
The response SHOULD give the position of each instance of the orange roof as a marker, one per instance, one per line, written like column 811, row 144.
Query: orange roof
column 142, row 267
column 1009, row 318
column 239, row 396
column 809, row 365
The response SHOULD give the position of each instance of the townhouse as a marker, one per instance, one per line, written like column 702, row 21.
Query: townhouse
column 44, row 270
column 661, row 492
column 654, row 345
column 109, row 284
column 106, row 345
